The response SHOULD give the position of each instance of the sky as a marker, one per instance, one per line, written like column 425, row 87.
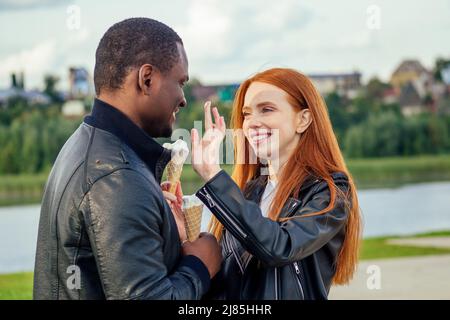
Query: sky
column 227, row 41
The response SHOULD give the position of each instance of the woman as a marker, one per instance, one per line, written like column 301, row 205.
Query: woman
column 289, row 221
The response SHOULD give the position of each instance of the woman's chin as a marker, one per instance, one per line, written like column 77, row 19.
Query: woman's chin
column 264, row 153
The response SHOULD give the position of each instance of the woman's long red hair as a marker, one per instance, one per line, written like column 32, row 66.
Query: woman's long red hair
column 317, row 153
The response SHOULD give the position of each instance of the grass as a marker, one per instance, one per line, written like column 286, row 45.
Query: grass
column 21, row 189
column 378, row 248
column 397, row 171
column 19, row 286
column 16, row 286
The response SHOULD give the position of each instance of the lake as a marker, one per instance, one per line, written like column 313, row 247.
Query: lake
column 406, row 210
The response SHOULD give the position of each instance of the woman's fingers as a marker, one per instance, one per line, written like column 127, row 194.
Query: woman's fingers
column 216, row 117
column 222, row 125
column 195, row 147
column 179, row 194
column 169, row 197
column 208, row 120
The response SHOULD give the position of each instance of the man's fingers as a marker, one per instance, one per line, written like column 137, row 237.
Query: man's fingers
column 208, row 120
column 165, row 186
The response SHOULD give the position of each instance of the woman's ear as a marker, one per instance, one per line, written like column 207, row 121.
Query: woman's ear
column 145, row 75
column 304, row 119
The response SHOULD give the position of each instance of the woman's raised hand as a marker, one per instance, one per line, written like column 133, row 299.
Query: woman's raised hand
column 206, row 151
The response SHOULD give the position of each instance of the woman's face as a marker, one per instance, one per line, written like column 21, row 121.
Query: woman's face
column 271, row 124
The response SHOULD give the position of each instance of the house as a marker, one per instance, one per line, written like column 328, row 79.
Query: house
column 80, row 85
column 32, row 96
column 73, row 109
column 410, row 100
column 345, row 84
column 411, row 71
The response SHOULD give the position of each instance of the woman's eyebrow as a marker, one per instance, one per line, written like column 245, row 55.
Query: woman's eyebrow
column 259, row 105
column 264, row 103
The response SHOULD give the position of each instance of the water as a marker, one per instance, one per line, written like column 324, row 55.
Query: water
column 407, row 210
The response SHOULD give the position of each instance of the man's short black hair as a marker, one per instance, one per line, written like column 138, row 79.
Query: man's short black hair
column 129, row 44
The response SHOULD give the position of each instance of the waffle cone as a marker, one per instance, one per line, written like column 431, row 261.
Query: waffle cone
column 173, row 175
column 193, row 220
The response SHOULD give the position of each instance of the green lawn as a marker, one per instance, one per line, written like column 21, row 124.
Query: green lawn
column 18, row 286
column 377, row 248
column 397, row 171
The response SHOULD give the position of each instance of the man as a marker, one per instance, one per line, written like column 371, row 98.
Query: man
column 106, row 230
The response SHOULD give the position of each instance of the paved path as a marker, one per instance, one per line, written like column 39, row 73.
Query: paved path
column 435, row 242
column 425, row 277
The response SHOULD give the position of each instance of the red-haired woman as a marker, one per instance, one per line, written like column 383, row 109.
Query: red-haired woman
column 289, row 221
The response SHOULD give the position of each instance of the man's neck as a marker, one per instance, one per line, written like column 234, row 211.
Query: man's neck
column 121, row 103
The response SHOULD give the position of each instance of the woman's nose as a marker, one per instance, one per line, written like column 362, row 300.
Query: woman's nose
column 254, row 123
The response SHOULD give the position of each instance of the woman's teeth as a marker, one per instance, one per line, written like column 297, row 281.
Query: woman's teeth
column 260, row 138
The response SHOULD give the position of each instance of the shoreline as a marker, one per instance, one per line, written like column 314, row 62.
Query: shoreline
column 368, row 173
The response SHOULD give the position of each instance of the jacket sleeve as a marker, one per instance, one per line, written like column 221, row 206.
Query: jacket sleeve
column 123, row 217
column 274, row 243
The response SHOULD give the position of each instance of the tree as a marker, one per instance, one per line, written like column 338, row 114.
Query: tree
column 50, row 83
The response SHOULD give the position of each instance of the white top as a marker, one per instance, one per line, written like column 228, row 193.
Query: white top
column 267, row 197
column 266, row 200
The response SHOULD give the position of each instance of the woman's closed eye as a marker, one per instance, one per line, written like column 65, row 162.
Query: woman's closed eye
column 266, row 109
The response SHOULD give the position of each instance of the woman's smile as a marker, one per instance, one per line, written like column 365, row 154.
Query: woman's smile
column 258, row 137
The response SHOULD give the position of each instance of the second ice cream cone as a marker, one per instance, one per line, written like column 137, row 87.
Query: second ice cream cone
column 193, row 220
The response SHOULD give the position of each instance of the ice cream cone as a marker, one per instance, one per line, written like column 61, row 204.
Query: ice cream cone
column 192, row 209
column 179, row 153
column 193, row 220
column 174, row 174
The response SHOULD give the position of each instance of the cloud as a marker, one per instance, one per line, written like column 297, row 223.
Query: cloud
column 33, row 62
column 15, row 5
column 49, row 56
column 227, row 41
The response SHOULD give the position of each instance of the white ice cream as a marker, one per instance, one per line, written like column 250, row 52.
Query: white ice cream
column 179, row 149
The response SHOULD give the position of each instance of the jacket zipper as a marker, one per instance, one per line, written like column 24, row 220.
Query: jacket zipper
column 213, row 204
column 276, row 283
column 234, row 253
column 298, row 272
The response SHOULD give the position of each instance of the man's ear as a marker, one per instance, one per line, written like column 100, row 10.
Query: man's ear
column 145, row 75
column 304, row 119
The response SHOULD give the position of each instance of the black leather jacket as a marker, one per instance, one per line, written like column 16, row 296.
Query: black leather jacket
column 105, row 229
column 269, row 260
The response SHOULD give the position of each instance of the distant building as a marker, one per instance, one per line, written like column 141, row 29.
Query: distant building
column 73, row 109
column 411, row 71
column 390, row 96
column 346, row 84
column 418, row 91
column 17, row 90
column 79, row 83
column 445, row 74
column 410, row 100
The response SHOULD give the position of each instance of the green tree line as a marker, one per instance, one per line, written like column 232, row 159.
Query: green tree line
column 31, row 136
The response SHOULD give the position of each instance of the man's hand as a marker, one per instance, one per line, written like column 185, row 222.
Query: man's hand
column 175, row 202
column 206, row 249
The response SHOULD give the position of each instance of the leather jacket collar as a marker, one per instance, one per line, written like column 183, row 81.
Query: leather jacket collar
column 106, row 117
